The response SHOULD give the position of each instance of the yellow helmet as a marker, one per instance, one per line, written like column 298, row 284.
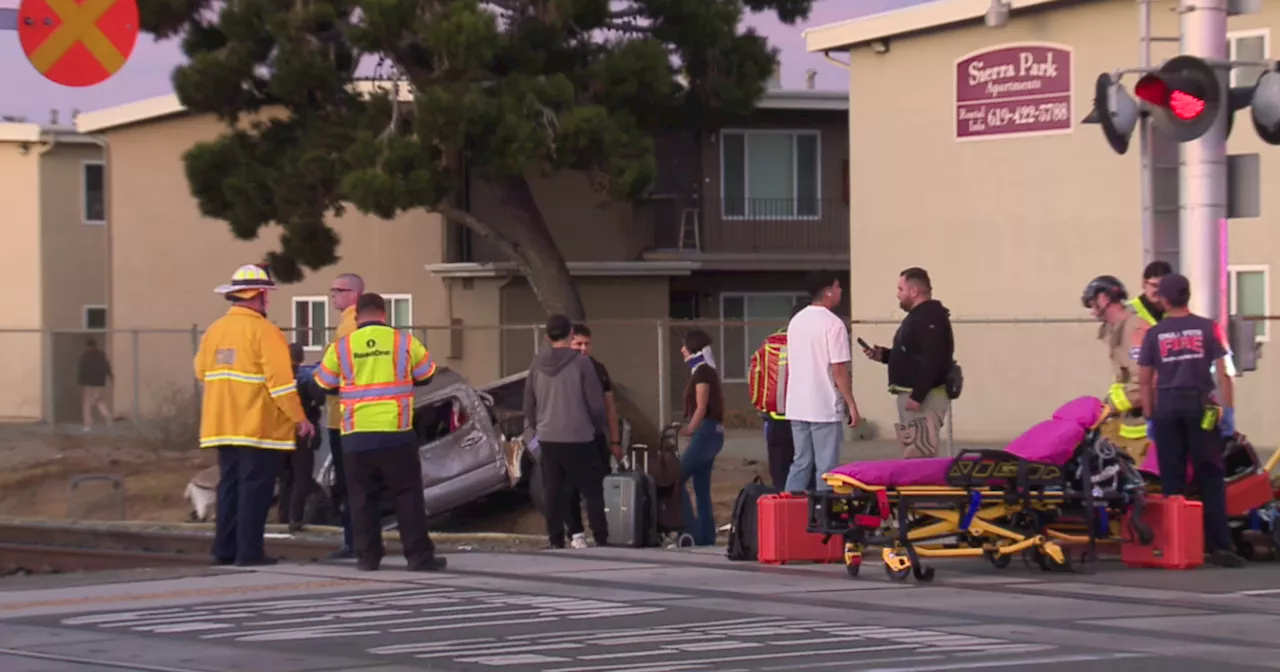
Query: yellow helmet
column 247, row 281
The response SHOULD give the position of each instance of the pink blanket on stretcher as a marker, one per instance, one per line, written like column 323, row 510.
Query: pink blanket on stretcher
column 1053, row 441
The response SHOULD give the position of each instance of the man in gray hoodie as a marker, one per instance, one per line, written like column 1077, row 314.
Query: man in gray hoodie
column 564, row 408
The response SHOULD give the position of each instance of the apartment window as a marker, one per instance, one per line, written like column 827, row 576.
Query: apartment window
column 311, row 321
column 1248, row 295
column 764, row 313
column 93, row 192
column 95, row 317
column 399, row 310
column 1248, row 45
column 770, row 174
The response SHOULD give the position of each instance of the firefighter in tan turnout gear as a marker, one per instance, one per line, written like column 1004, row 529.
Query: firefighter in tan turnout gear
column 1121, row 331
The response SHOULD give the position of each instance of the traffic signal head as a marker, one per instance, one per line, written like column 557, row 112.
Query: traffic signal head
column 1243, row 341
column 1115, row 111
column 1266, row 107
column 1187, row 92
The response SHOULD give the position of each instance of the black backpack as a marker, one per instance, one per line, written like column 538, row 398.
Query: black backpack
column 742, row 528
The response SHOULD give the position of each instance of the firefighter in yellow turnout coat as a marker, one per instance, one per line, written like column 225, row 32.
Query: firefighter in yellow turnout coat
column 374, row 370
column 1122, row 331
column 250, row 413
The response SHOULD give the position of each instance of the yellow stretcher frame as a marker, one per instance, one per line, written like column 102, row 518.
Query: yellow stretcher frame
column 988, row 538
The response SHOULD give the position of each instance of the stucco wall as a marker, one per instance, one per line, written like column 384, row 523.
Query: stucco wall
column 1013, row 228
column 21, row 304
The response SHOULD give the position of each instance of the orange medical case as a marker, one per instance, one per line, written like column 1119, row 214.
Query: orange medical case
column 1178, row 526
column 781, row 535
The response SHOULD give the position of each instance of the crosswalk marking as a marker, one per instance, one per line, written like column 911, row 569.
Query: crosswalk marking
column 447, row 616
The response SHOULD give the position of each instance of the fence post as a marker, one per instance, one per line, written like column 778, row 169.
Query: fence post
column 663, row 404
column 537, row 339
column 137, row 378
column 46, row 335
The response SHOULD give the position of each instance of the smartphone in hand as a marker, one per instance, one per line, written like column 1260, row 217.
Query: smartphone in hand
column 863, row 344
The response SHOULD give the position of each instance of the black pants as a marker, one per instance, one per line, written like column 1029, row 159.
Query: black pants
column 1180, row 439
column 781, row 448
column 246, row 483
column 339, row 496
column 570, row 467
column 296, row 480
column 574, row 519
column 397, row 473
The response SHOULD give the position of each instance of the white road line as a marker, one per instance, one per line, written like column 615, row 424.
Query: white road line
column 845, row 663
column 475, row 624
column 759, row 656
column 306, row 634
column 394, row 649
column 473, row 654
column 516, row 659
column 694, row 647
column 1047, row 660
column 653, row 639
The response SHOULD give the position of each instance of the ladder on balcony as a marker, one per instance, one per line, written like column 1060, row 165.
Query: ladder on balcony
column 690, row 237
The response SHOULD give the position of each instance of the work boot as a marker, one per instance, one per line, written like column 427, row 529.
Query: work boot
column 344, row 553
column 1225, row 558
column 264, row 561
column 222, row 562
column 432, row 563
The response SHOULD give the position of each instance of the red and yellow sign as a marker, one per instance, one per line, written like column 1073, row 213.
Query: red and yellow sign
column 78, row 42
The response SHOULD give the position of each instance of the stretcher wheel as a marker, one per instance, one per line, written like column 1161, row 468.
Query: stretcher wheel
column 998, row 560
column 853, row 569
column 897, row 575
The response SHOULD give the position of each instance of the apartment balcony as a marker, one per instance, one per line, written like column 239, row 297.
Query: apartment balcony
column 752, row 226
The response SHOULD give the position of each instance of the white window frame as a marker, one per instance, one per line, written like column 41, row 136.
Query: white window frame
column 293, row 321
column 84, row 316
column 389, row 298
column 84, row 193
column 795, row 158
column 1233, row 275
column 1234, row 36
column 747, row 348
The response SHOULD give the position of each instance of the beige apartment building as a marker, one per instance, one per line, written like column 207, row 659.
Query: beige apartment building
column 55, row 261
column 737, row 217
column 1013, row 213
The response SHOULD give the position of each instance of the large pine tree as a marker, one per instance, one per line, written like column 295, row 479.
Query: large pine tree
column 497, row 88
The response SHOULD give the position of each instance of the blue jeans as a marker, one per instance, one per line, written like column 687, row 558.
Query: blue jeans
column 817, row 452
column 696, row 464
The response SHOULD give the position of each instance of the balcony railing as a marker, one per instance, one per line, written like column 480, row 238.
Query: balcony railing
column 756, row 225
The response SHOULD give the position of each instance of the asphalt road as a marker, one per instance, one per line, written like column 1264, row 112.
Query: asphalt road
column 616, row 610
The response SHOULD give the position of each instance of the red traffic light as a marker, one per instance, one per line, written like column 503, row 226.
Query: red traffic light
column 1187, row 91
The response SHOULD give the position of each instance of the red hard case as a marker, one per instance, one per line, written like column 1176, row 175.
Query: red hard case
column 781, row 535
column 1248, row 493
column 1178, row 525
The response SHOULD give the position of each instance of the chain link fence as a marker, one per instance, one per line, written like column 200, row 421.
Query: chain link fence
column 1016, row 371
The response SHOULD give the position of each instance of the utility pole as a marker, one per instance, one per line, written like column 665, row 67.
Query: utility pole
column 1204, row 164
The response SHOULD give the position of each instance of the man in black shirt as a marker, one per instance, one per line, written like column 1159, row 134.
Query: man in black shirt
column 1177, row 387
column 611, row 445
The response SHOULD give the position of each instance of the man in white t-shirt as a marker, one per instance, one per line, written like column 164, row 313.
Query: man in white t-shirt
column 819, row 387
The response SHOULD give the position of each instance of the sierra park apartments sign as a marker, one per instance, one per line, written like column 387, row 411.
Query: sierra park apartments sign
column 1013, row 90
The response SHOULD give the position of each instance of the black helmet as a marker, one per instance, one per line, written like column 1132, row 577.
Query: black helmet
column 1104, row 284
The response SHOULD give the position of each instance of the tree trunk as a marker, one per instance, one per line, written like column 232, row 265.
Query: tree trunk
column 527, row 241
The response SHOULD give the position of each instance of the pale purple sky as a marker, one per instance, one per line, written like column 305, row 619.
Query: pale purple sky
column 149, row 68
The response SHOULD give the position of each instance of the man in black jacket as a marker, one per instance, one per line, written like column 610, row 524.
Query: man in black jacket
column 919, row 362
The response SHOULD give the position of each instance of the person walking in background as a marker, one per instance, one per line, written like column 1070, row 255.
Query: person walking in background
column 93, row 374
column 704, row 425
column 344, row 291
column 920, row 363
column 251, row 414
column 1178, row 357
column 819, row 385
column 296, row 479
column 610, row 444
column 374, row 370
column 564, row 409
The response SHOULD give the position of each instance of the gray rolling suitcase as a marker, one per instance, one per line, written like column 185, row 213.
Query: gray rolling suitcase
column 631, row 505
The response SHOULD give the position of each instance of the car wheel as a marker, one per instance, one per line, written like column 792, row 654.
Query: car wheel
column 319, row 510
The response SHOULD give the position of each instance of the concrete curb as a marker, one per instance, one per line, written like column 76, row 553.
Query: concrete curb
column 203, row 528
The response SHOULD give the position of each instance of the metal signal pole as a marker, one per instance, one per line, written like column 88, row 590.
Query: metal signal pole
column 1204, row 164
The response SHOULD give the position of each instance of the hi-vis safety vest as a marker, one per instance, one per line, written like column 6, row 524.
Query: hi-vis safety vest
column 1141, row 309
column 374, row 369
column 767, row 376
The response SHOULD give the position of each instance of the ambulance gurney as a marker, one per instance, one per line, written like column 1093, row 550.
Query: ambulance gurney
column 1252, row 507
column 1059, row 483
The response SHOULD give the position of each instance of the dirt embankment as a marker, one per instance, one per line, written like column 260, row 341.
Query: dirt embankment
column 37, row 470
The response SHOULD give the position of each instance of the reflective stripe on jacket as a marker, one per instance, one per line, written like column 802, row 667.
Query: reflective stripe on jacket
column 374, row 370
column 345, row 327
column 250, row 395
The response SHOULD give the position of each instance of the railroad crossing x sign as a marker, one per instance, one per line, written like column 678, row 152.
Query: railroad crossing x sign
column 78, row 42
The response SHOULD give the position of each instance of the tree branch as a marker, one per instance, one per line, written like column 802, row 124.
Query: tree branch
column 511, row 250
